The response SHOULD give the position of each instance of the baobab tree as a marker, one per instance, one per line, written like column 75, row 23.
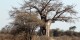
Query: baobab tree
column 44, row 8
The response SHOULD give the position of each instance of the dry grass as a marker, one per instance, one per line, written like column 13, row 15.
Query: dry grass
column 22, row 37
column 42, row 38
column 67, row 38
column 6, row 37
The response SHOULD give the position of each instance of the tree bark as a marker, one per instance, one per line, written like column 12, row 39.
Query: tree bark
column 45, row 30
column 48, row 24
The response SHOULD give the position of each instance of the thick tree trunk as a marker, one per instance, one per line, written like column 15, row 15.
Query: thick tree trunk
column 45, row 30
column 48, row 23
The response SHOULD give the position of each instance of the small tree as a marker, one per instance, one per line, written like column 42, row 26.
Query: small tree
column 72, row 28
column 44, row 8
column 27, row 23
column 6, row 29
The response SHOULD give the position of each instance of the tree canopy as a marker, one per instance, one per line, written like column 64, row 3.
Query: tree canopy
column 48, row 11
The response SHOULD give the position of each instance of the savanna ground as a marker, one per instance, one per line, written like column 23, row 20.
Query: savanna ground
column 59, row 36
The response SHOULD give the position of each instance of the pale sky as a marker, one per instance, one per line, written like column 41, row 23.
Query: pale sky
column 6, row 6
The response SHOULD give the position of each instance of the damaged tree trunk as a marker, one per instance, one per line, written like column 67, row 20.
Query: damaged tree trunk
column 48, row 28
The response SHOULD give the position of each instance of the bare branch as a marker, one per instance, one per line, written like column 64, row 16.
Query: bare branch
column 45, row 6
column 61, row 12
column 37, row 10
column 66, row 19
